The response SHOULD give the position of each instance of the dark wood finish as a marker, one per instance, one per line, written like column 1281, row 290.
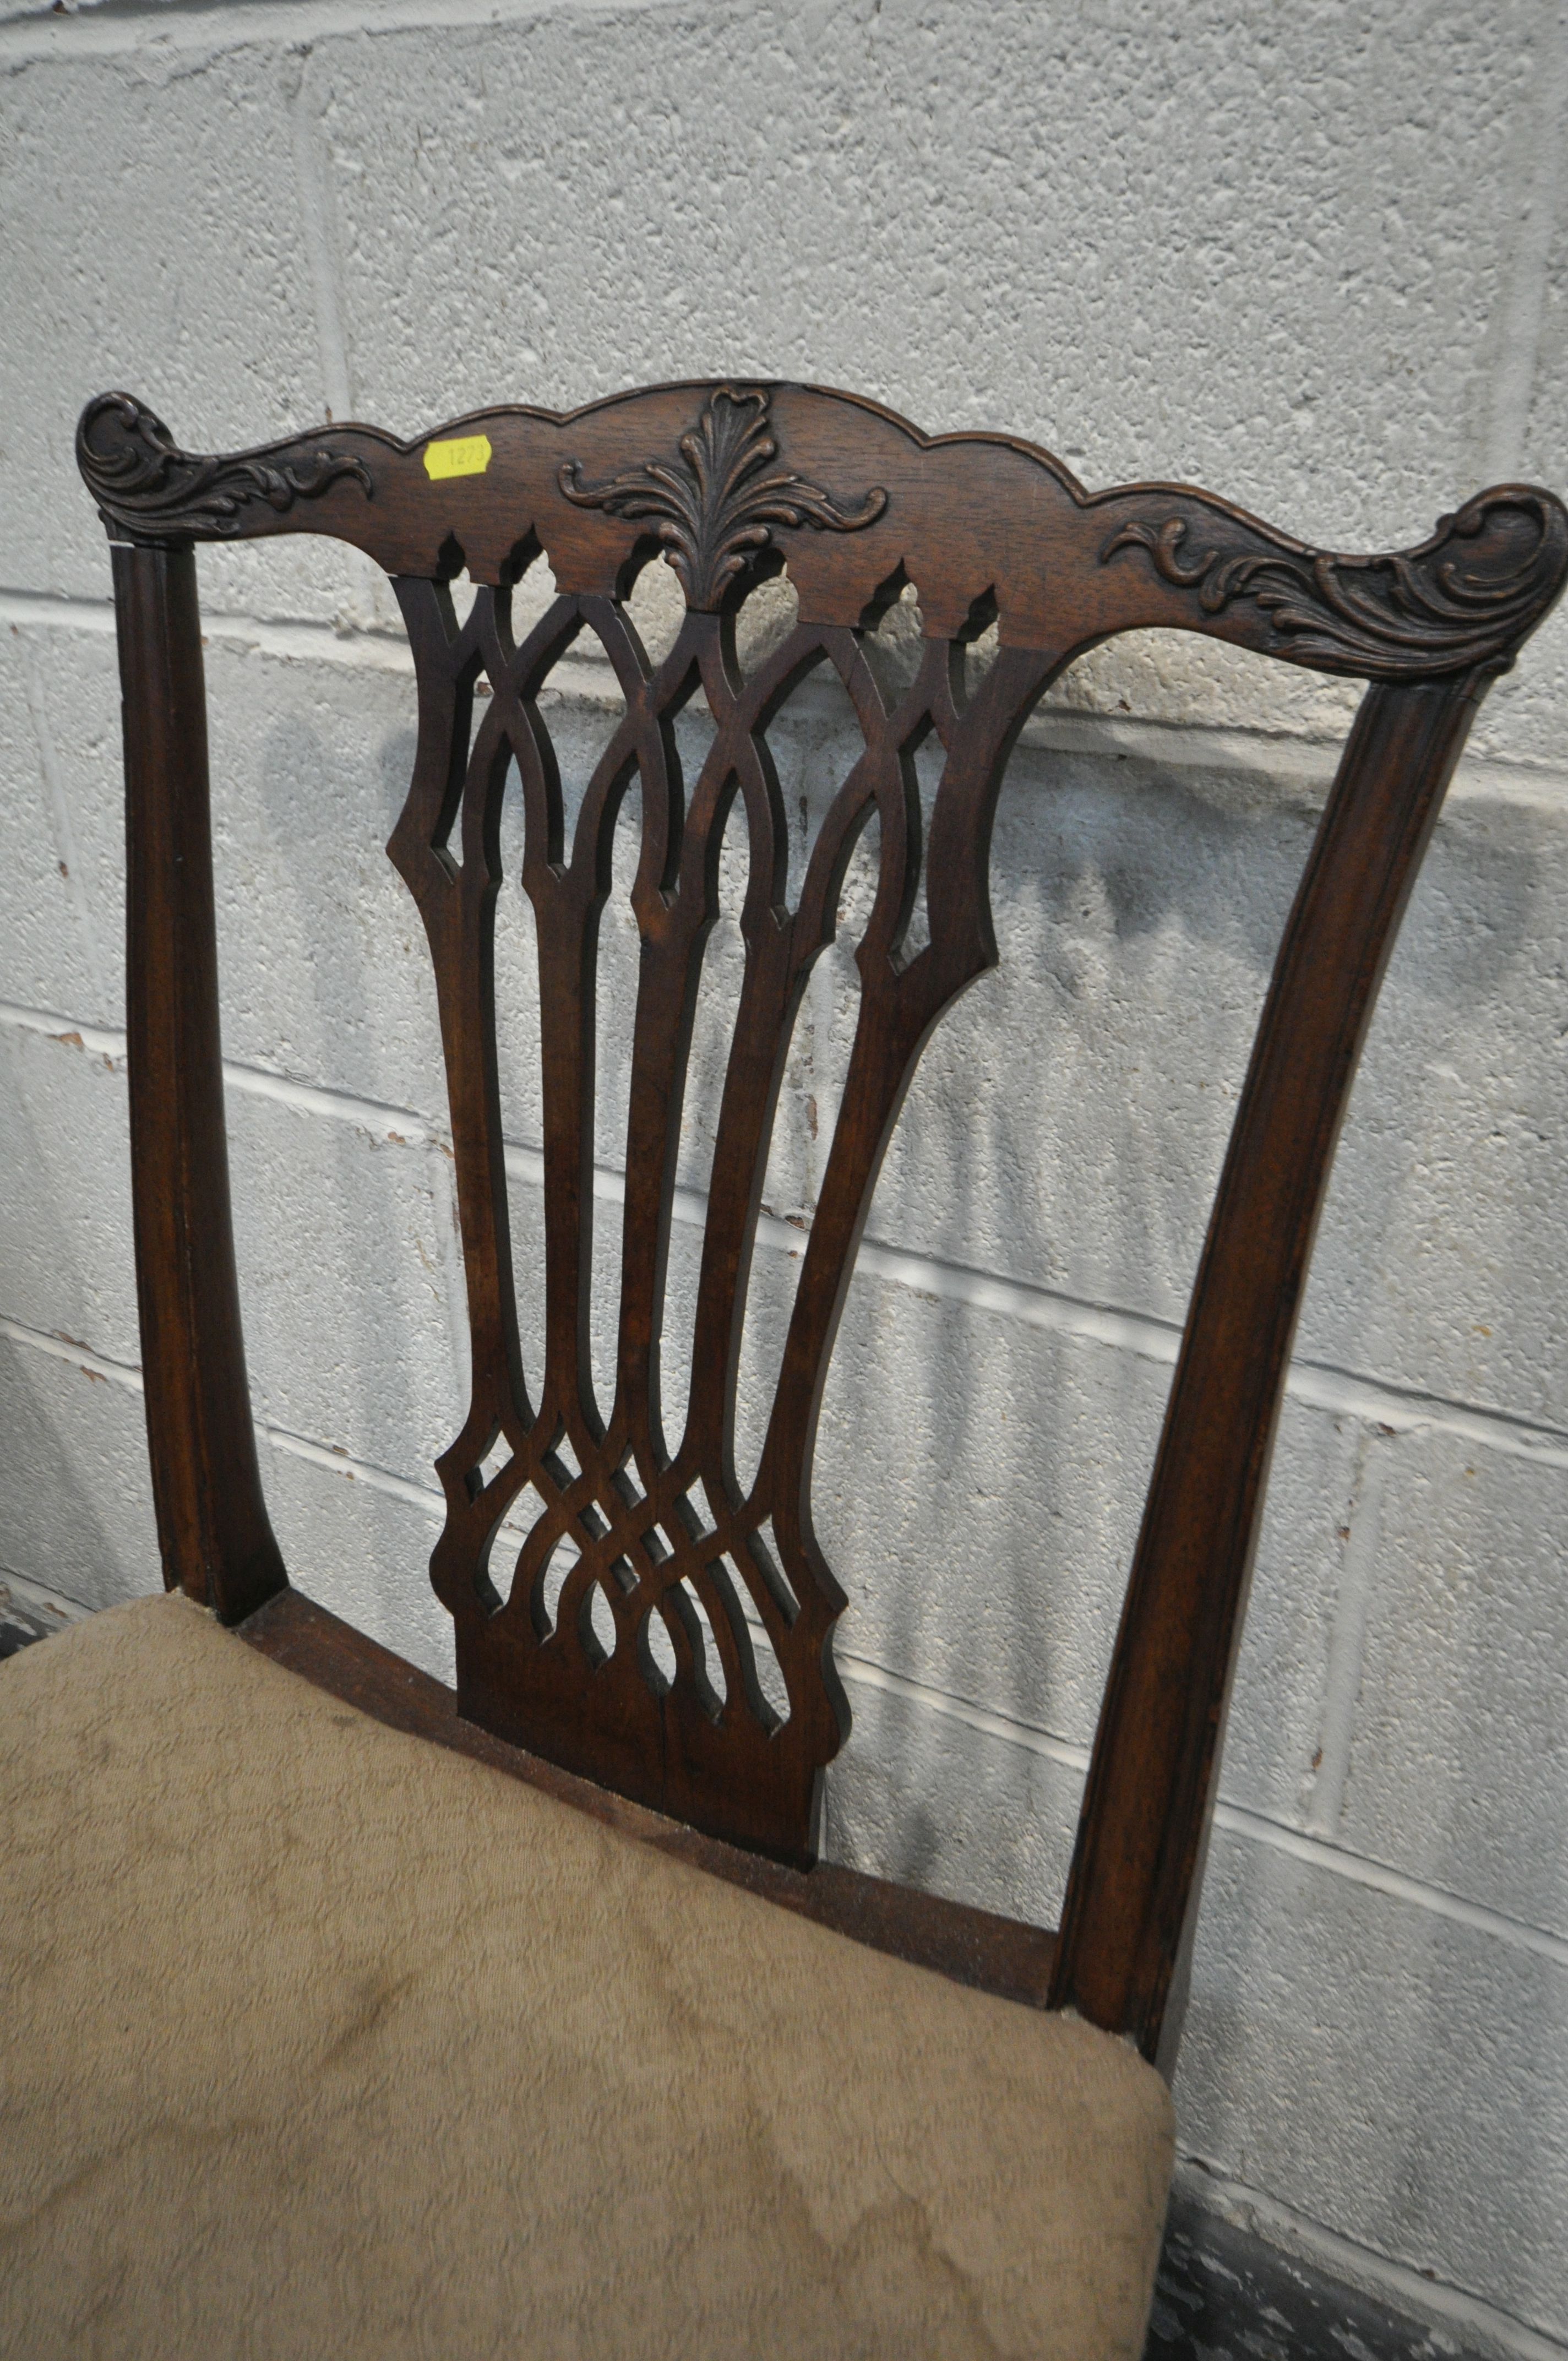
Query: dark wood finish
column 971, row 519
column 212, row 1527
column 973, row 1947
column 729, row 483
column 1143, row 1814
column 624, row 1500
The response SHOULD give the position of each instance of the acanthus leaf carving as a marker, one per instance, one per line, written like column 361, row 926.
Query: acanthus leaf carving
column 718, row 501
column 144, row 483
column 1399, row 617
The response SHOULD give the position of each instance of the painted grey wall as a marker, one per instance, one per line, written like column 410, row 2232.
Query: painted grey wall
column 1314, row 261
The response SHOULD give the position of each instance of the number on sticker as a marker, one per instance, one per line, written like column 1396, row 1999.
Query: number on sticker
column 462, row 455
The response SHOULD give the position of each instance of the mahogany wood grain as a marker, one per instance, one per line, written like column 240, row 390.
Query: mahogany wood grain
column 212, row 1527
column 971, row 519
column 1126, row 1915
column 973, row 1947
column 660, row 1540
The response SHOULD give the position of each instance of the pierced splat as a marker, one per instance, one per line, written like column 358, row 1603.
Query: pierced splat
column 686, row 1658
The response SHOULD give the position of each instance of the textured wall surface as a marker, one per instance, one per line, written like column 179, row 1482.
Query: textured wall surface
column 1317, row 261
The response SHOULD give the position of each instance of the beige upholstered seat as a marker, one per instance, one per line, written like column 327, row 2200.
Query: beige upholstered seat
column 321, row 2041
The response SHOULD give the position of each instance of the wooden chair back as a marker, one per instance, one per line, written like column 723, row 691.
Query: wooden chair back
column 729, row 483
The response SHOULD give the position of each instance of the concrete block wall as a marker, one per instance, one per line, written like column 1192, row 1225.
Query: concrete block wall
column 1319, row 262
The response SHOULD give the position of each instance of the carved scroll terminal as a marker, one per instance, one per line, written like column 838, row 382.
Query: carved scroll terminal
column 1466, row 596
column 145, row 484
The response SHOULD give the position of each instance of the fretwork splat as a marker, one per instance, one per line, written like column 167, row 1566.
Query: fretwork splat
column 655, row 1645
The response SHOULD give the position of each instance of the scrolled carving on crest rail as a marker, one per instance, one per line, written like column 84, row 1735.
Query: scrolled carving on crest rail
column 1415, row 612
column 715, row 504
column 145, row 483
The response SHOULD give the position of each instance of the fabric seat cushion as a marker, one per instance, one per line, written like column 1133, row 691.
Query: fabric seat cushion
column 322, row 2041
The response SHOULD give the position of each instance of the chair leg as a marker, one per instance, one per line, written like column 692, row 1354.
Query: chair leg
column 212, row 1526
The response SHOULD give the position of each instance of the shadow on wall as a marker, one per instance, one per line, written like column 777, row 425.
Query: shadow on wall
column 73, row 1438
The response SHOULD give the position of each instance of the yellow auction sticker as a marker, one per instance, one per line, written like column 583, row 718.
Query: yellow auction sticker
column 465, row 454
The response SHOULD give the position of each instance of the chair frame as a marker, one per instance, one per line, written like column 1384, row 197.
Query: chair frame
column 985, row 527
